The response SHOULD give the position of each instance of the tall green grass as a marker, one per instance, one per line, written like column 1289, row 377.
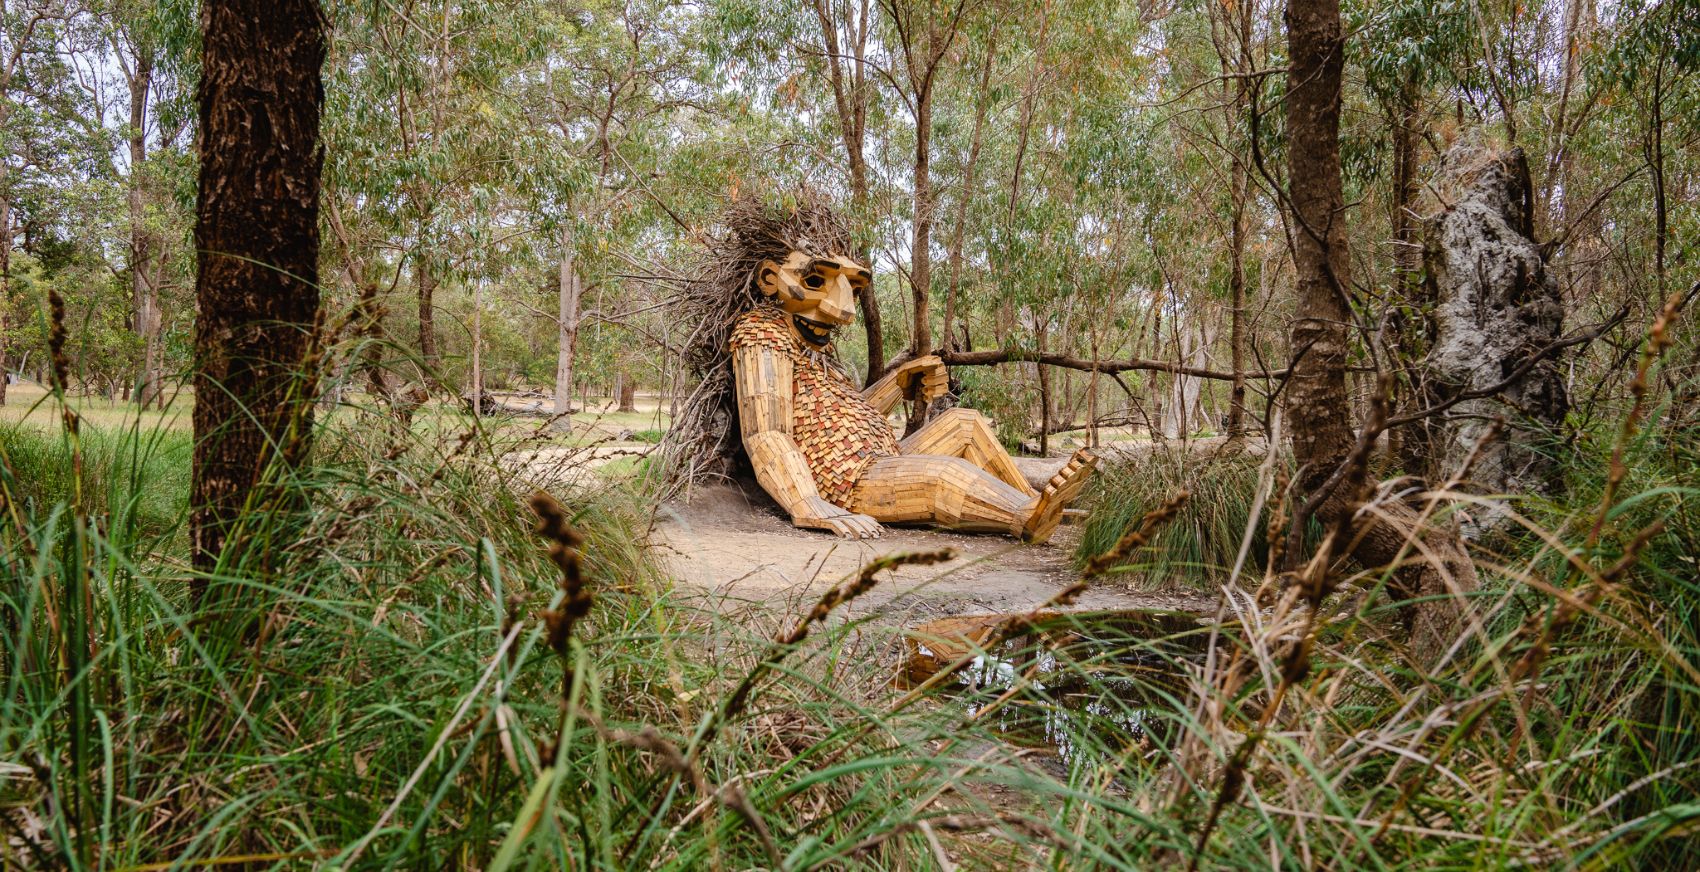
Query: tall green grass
column 1200, row 546
column 387, row 696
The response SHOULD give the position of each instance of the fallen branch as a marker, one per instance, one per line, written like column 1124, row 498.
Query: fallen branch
column 1016, row 355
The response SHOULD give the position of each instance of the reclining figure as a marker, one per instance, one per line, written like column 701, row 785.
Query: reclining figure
column 823, row 448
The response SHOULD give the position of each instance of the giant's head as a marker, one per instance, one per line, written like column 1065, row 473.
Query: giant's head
column 819, row 293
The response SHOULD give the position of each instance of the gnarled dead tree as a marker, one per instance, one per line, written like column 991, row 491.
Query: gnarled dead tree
column 1495, row 309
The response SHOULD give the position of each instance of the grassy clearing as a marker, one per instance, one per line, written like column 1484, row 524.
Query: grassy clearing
column 380, row 691
column 32, row 405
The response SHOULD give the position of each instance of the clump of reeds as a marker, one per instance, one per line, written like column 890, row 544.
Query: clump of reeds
column 1199, row 546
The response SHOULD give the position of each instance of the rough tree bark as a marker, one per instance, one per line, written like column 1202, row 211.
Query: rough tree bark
column 1316, row 389
column 1495, row 306
column 923, row 45
column 257, row 231
column 427, row 291
column 1323, row 437
column 145, row 297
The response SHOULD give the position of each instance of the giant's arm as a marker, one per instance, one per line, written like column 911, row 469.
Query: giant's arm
column 885, row 394
column 764, row 417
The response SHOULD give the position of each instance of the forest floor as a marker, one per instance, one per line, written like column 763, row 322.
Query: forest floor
column 737, row 549
column 734, row 547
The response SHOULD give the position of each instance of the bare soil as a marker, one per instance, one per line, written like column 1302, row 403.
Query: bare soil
column 736, row 548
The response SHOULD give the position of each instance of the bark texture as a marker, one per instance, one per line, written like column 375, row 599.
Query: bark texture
column 1316, row 390
column 257, row 231
column 1317, row 401
column 1495, row 306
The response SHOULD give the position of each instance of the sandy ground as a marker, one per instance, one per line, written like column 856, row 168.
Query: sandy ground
column 736, row 549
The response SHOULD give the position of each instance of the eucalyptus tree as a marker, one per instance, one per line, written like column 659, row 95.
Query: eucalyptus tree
column 605, row 99
column 825, row 61
column 150, row 43
column 40, row 108
column 257, row 228
column 417, row 121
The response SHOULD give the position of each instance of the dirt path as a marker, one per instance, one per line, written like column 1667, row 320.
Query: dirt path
column 738, row 550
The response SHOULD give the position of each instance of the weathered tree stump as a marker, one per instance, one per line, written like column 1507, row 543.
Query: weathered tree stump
column 1494, row 309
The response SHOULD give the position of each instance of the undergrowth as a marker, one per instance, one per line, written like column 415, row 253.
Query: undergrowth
column 408, row 683
column 1201, row 545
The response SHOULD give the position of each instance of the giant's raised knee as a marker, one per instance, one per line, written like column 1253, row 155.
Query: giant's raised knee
column 960, row 415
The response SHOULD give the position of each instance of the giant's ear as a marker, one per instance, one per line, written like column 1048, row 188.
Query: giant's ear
column 774, row 280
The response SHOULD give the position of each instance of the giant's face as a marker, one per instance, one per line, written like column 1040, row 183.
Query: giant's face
column 818, row 292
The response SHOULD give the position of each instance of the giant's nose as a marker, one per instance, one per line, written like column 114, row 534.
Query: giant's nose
column 839, row 304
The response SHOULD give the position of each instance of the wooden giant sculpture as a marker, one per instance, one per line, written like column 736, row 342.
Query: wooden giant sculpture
column 824, row 450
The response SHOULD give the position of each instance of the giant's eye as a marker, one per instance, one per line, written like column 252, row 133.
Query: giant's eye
column 814, row 281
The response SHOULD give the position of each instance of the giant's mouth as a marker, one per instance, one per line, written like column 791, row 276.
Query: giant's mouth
column 813, row 332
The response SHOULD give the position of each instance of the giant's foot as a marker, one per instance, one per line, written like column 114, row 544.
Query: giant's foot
column 1047, row 509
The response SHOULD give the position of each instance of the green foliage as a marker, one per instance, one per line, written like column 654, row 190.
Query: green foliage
column 135, row 479
column 386, row 698
column 1200, row 546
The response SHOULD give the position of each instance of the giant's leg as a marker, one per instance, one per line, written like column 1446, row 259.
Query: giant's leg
column 954, row 493
column 967, row 434
column 934, row 489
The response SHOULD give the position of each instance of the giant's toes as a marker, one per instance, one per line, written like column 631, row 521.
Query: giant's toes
column 1058, row 493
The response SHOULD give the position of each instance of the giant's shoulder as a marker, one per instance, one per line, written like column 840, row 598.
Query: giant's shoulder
column 763, row 326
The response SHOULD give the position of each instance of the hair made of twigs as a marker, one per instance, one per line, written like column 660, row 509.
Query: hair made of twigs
column 721, row 286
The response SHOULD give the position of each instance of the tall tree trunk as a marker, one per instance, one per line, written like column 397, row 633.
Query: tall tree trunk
column 921, row 238
column 1235, row 54
column 850, row 96
column 476, row 388
column 257, row 228
column 953, row 285
column 627, row 394
column 1655, row 151
column 1044, row 373
column 1408, row 333
column 1316, row 390
column 566, row 334
column 145, row 297
column 5, row 280
column 427, row 290
column 1316, row 394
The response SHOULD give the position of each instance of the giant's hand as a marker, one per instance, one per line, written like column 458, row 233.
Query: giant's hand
column 818, row 514
column 924, row 378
